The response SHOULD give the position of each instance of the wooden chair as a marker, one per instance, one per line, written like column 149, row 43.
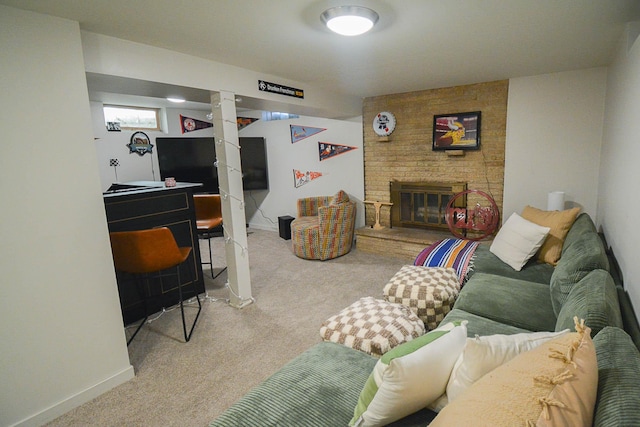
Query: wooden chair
column 148, row 253
column 208, row 209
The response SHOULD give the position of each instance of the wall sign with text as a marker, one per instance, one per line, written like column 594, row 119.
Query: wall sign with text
column 280, row 89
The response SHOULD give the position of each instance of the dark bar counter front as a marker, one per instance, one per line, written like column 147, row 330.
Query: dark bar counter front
column 142, row 205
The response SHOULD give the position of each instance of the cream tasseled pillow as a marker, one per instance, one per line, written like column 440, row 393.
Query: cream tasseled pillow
column 554, row 384
column 559, row 222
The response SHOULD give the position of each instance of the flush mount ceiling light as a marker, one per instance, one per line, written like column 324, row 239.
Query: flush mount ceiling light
column 349, row 20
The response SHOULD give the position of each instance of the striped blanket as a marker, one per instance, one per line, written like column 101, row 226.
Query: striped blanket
column 454, row 253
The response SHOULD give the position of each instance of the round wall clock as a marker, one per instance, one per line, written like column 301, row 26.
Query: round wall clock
column 384, row 123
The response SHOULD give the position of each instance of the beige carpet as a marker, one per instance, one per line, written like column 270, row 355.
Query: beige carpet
column 232, row 350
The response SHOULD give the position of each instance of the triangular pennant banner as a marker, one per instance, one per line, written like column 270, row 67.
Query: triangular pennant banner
column 299, row 133
column 243, row 122
column 301, row 178
column 188, row 124
column 327, row 150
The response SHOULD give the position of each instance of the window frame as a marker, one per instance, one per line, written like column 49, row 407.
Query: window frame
column 136, row 107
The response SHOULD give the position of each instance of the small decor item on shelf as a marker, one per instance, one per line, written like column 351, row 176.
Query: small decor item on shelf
column 384, row 123
column 115, row 163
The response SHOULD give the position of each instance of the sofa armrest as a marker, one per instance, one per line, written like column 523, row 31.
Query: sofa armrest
column 595, row 299
column 618, row 400
column 585, row 254
column 318, row 388
column 337, row 223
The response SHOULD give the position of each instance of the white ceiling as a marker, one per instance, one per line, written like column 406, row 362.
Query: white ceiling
column 416, row 45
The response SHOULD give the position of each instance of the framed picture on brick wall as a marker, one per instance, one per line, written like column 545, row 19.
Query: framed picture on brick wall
column 458, row 131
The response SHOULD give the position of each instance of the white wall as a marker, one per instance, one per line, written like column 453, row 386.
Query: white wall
column 112, row 56
column 341, row 172
column 61, row 327
column 618, row 203
column 133, row 167
column 554, row 134
column 263, row 207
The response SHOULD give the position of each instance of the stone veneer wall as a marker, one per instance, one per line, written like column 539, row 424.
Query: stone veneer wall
column 407, row 155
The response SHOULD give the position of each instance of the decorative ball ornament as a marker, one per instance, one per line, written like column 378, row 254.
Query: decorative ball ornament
column 384, row 123
column 482, row 219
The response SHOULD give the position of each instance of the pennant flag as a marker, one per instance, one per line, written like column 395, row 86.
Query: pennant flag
column 327, row 150
column 301, row 132
column 301, row 178
column 187, row 124
column 243, row 122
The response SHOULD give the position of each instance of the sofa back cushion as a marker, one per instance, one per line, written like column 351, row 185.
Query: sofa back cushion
column 584, row 254
column 594, row 299
column 618, row 400
column 308, row 206
column 486, row 262
column 582, row 225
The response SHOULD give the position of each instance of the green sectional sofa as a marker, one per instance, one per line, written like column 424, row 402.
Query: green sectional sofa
column 321, row 386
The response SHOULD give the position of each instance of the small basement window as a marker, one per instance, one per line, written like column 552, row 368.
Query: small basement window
column 131, row 117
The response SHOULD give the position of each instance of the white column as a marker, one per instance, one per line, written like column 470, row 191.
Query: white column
column 231, row 193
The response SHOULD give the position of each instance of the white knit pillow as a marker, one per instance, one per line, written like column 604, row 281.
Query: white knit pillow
column 518, row 240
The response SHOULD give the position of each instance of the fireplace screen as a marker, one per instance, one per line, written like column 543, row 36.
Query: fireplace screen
column 423, row 204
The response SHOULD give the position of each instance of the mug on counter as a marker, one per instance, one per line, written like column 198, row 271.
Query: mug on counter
column 170, row 182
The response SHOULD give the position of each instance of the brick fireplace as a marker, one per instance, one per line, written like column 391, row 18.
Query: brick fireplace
column 406, row 156
column 423, row 204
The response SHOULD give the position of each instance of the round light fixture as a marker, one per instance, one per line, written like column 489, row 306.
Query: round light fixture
column 349, row 20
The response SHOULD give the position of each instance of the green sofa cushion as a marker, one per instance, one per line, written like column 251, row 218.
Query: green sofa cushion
column 522, row 304
column 618, row 401
column 318, row 388
column 594, row 299
column 486, row 262
column 482, row 326
column 582, row 225
column 584, row 254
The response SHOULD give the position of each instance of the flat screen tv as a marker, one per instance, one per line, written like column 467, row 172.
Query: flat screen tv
column 191, row 159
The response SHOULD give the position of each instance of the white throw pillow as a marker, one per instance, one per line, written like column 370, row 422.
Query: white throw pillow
column 409, row 377
column 518, row 240
column 482, row 355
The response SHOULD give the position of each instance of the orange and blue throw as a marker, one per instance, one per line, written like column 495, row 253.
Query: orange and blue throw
column 453, row 253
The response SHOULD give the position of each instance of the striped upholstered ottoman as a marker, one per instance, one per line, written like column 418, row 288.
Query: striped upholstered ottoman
column 428, row 291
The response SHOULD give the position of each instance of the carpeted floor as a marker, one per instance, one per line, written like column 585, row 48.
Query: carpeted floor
column 232, row 350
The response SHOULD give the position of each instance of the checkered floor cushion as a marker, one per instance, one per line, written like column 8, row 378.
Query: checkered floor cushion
column 428, row 291
column 372, row 325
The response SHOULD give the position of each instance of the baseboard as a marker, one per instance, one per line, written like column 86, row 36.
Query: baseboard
column 265, row 227
column 77, row 399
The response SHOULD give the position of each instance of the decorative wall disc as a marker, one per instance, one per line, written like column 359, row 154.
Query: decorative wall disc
column 384, row 123
column 140, row 144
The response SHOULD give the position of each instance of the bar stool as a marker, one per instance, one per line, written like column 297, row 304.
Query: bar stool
column 147, row 253
column 208, row 209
